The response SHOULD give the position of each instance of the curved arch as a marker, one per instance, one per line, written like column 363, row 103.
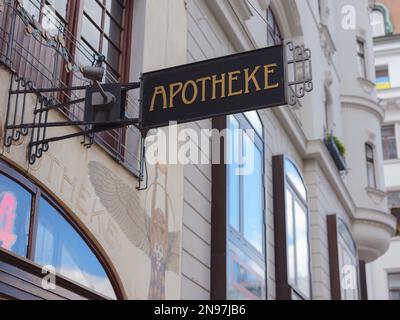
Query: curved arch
column 39, row 191
column 346, row 235
column 296, row 179
column 386, row 15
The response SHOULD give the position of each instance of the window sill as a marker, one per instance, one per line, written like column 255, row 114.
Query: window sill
column 367, row 84
column 391, row 161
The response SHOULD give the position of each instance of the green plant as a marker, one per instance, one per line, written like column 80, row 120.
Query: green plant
column 339, row 144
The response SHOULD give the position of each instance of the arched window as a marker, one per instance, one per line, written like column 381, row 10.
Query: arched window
column 273, row 32
column 343, row 261
column 348, row 263
column 292, row 247
column 35, row 228
column 378, row 23
column 245, row 205
column 297, row 231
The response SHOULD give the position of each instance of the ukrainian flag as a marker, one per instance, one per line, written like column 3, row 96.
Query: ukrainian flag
column 383, row 83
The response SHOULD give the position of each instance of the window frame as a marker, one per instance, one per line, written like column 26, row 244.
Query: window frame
column 394, row 137
column 237, row 237
column 284, row 289
column 37, row 192
column 361, row 58
column 370, row 163
column 390, row 289
column 334, row 261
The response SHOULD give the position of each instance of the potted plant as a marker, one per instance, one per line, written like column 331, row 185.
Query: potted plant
column 337, row 150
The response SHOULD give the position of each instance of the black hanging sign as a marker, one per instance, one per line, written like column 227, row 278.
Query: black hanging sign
column 228, row 85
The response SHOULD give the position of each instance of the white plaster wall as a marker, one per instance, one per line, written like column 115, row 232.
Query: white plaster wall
column 377, row 272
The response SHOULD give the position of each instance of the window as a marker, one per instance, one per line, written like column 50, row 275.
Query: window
column 343, row 261
column 371, row 177
column 292, row 250
column 394, row 286
column 378, row 23
column 382, row 78
column 33, row 227
column 362, row 69
column 246, row 248
column 389, row 142
column 348, row 263
column 75, row 33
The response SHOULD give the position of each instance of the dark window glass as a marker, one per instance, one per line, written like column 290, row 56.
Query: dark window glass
column 59, row 245
column 362, row 69
column 15, row 207
column 369, row 151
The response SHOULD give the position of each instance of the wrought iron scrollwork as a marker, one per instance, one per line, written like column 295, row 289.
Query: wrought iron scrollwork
column 299, row 74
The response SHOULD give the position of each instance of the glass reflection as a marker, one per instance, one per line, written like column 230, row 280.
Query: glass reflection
column 59, row 245
column 253, row 197
column 15, row 205
column 233, row 178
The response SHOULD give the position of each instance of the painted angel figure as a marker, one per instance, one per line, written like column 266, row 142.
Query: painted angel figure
column 149, row 234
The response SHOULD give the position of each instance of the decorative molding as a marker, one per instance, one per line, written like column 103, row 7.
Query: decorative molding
column 377, row 196
column 242, row 9
column 264, row 4
column 327, row 43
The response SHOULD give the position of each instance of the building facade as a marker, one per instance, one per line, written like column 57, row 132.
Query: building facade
column 301, row 225
column 384, row 273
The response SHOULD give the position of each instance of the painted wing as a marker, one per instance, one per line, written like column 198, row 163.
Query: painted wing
column 173, row 251
column 122, row 202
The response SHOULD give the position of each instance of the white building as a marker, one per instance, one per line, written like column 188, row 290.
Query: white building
column 384, row 273
column 302, row 226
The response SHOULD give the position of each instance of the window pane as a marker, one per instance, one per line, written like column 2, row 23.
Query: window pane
column 111, row 53
column 389, row 143
column 60, row 6
column 302, row 251
column 94, row 11
column 115, row 9
column 253, row 196
column 233, row 178
column 290, row 238
column 15, row 207
column 394, row 286
column 378, row 23
column 59, row 245
column 246, row 277
column 90, row 33
column 295, row 178
column 112, row 30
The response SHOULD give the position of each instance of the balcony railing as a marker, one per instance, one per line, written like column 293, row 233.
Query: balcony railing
column 40, row 58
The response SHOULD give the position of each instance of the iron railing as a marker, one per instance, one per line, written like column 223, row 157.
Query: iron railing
column 46, row 55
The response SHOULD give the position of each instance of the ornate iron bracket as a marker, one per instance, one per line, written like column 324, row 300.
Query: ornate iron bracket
column 299, row 73
column 18, row 124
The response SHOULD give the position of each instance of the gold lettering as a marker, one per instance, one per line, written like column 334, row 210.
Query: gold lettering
column 233, row 76
column 157, row 91
column 173, row 93
column 203, row 81
column 251, row 77
column 195, row 92
column 270, row 69
column 215, row 82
